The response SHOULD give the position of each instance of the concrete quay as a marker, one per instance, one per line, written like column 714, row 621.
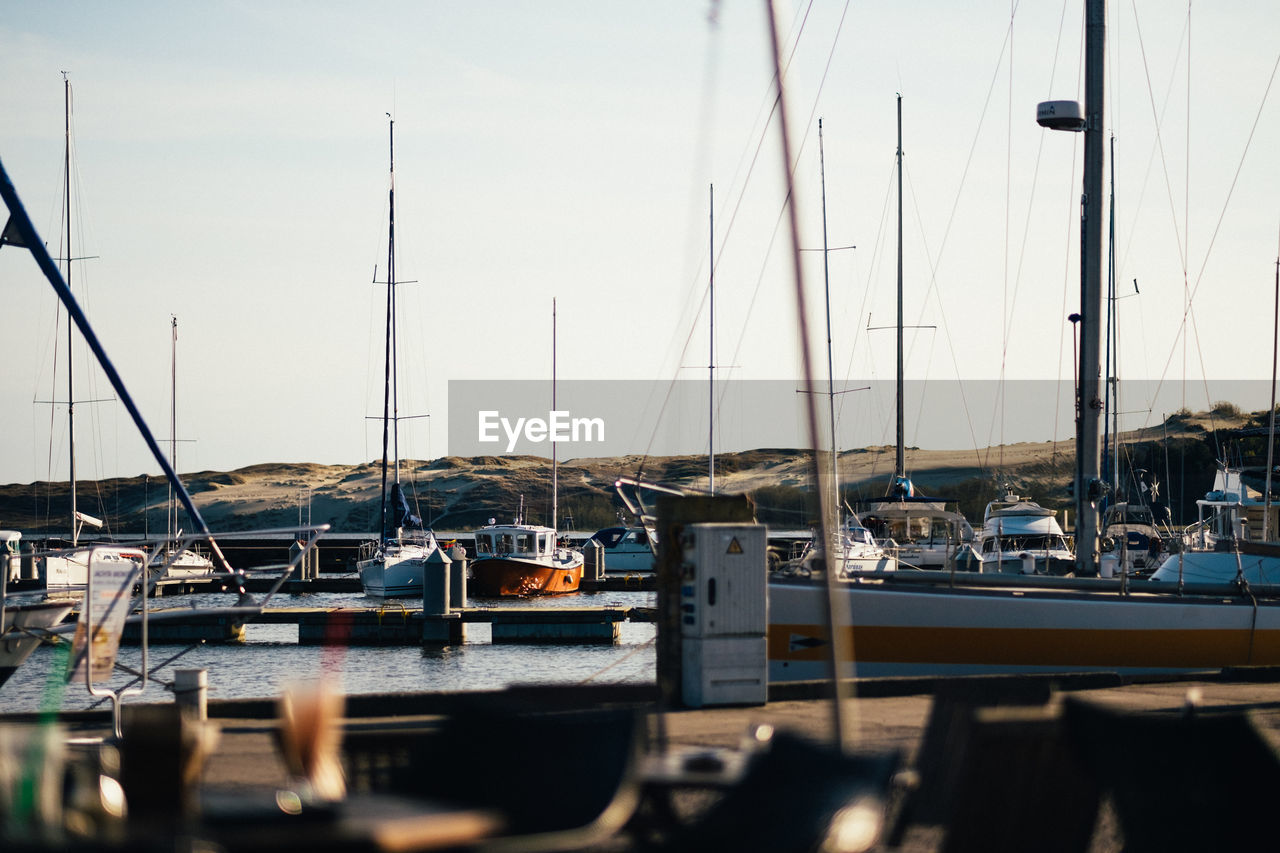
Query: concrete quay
column 1001, row 767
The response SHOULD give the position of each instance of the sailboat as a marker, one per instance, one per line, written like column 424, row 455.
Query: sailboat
column 527, row 559
column 24, row 622
column 856, row 549
column 178, row 562
column 888, row 624
column 919, row 530
column 67, row 570
column 392, row 564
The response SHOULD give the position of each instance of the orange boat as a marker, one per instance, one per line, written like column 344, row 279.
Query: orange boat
column 522, row 559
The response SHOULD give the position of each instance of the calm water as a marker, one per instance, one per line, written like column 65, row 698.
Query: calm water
column 270, row 659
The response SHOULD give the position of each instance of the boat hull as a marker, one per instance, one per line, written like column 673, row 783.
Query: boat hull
column 16, row 645
column 939, row 630
column 394, row 573
column 496, row 577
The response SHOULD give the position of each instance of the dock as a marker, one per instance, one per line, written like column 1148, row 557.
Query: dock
column 396, row 624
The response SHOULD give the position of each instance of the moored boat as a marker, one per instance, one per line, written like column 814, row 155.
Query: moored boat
column 522, row 559
column 1019, row 536
column 1227, row 544
column 392, row 565
column 626, row 549
column 20, row 627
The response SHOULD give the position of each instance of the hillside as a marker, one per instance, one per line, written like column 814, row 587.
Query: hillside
column 456, row 493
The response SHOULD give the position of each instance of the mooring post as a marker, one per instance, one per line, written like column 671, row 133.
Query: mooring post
column 592, row 561
column 435, row 584
column 457, row 577
column 191, row 693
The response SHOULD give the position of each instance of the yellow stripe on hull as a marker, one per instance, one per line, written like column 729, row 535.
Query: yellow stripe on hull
column 946, row 631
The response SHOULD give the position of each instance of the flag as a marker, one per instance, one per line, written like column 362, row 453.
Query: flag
column 10, row 235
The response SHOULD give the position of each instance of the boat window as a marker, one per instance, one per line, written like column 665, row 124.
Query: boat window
column 504, row 543
column 609, row 536
column 545, row 543
column 526, row 543
column 484, row 543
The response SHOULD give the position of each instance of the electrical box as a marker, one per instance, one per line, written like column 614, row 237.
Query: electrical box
column 724, row 615
column 724, row 580
column 724, row 671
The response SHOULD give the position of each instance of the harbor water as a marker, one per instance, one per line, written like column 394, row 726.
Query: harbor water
column 269, row 659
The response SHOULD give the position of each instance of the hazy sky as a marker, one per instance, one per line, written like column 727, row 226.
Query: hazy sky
column 231, row 169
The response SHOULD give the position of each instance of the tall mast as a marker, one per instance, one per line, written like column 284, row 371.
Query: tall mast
column 388, row 391
column 1271, row 423
column 555, row 518
column 71, row 396
column 826, row 285
column 1088, row 401
column 173, row 422
column 900, row 465
column 711, row 361
column 1111, row 424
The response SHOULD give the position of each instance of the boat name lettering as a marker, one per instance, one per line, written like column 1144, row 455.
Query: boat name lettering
column 558, row 426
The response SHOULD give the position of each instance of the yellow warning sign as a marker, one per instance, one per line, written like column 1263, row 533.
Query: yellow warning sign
column 734, row 546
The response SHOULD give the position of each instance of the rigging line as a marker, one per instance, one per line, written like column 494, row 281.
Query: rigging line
column 951, row 220
column 1189, row 311
column 937, row 298
column 1022, row 253
column 771, row 100
column 794, row 165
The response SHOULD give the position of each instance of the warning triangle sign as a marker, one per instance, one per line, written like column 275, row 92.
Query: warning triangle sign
column 735, row 547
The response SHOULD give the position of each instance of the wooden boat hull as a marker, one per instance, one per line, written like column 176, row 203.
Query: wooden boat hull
column 924, row 630
column 496, row 577
column 15, row 643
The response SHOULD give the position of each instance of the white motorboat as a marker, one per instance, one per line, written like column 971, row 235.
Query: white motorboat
column 1019, row 536
column 627, row 550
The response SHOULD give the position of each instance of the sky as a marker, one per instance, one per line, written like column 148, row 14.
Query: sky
column 231, row 170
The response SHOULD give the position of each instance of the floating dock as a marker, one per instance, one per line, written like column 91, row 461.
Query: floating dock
column 393, row 625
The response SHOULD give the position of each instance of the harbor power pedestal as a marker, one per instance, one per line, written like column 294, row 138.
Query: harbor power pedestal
column 724, row 615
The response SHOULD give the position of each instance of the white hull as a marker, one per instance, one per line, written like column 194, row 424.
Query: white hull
column 916, row 630
column 15, row 643
column 1220, row 567
column 69, row 570
column 628, row 561
column 189, row 566
column 396, row 571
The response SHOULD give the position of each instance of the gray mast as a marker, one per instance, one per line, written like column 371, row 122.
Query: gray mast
column 711, row 361
column 826, row 285
column 900, row 465
column 71, row 389
column 555, row 471
column 1088, row 401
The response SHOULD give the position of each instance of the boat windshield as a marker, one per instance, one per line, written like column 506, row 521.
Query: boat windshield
column 610, row 536
column 1046, row 542
column 484, row 543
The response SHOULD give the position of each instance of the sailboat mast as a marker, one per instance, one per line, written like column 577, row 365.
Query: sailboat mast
column 1088, row 401
column 826, row 285
column 391, row 277
column 1271, row 424
column 711, row 360
column 900, row 465
column 555, row 518
column 71, row 395
column 173, row 422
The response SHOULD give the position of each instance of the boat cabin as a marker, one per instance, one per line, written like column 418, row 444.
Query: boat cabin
column 519, row 540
